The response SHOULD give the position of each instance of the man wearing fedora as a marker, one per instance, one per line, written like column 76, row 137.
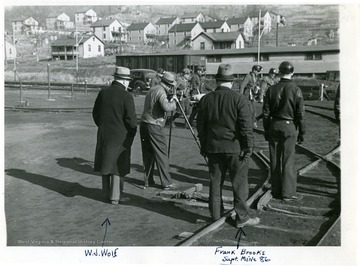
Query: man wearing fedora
column 225, row 128
column 114, row 114
column 158, row 102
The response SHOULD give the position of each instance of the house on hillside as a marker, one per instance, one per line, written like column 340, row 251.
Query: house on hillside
column 180, row 35
column 215, row 26
column 141, row 32
column 10, row 51
column 85, row 18
column 26, row 26
column 269, row 20
column 59, row 22
column 109, row 30
column 192, row 18
column 68, row 48
column 245, row 25
column 220, row 40
column 164, row 24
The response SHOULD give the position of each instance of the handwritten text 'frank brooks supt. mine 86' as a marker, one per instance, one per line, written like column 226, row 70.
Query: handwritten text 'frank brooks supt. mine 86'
column 235, row 256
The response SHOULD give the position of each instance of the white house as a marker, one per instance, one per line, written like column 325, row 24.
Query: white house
column 220, row 40
column 269, row 20
column 63, row 22
column 66, row 48
column 141, row 32
column 85, row 18
column 109, row 30
column 182, row 34
column 192, row 17
column 10, row 51
column 164, row 24
column 245, row 25
column 215, row 26
column 26, row 26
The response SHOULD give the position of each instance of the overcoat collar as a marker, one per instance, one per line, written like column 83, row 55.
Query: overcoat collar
column 118, row 84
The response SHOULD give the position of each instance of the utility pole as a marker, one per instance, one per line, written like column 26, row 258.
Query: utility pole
column 277, row 34
column 14, row 56
column 258, row 58
column 77, row 56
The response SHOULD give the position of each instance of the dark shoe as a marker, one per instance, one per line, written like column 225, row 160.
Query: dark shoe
column 250, row 222
column 124, row 200
column 171, row 186
column 276, row 196
column 293, row 198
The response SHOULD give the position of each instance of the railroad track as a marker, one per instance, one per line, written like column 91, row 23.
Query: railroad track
column 310, row 222
column 324, row 112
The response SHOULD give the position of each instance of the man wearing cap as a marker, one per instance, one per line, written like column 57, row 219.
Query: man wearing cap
column 250, row 87
column 224, row 129
column 198, row 89
column 266, row 82
column 183, row 93
column 156, row 80
column 153, row 140
column 283, row 111
column 114, row 114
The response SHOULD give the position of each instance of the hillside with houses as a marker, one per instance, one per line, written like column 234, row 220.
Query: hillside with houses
column 63, row 33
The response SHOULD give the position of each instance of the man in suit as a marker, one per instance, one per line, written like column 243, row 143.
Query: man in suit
column 225, row 128
column 283, row 111
column 158, row 102
column 114, row 115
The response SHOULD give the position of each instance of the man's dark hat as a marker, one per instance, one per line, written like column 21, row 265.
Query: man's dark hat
column 168, row 78
column 160, row 71
column 272, row 71
column 225, row 73
column 122, row 73
column 258, row 68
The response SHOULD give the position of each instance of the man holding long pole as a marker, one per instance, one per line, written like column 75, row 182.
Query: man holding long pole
column 153, row 140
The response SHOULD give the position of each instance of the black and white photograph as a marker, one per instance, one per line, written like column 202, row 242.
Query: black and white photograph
column 185, row 133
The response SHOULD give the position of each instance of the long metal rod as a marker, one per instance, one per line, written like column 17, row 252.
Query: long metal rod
column 190, row 127
column 170, row 131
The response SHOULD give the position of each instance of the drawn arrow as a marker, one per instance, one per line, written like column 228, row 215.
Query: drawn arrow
column 106, row 222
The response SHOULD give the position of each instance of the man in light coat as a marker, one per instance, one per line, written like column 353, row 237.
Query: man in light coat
column 114, row 114
column 158, row 102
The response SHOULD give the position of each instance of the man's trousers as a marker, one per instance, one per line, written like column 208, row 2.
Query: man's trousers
column 282, row 140
column 154, row 150
column 219, row 164
column 113, row 186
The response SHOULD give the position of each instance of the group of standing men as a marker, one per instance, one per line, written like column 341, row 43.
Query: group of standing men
column 225, row 129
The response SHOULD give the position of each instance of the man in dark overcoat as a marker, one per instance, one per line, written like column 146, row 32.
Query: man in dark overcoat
column 114, row 114
column 225, row 128
column 283, row 111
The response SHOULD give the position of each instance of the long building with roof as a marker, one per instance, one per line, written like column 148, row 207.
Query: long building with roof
column 307, row 60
